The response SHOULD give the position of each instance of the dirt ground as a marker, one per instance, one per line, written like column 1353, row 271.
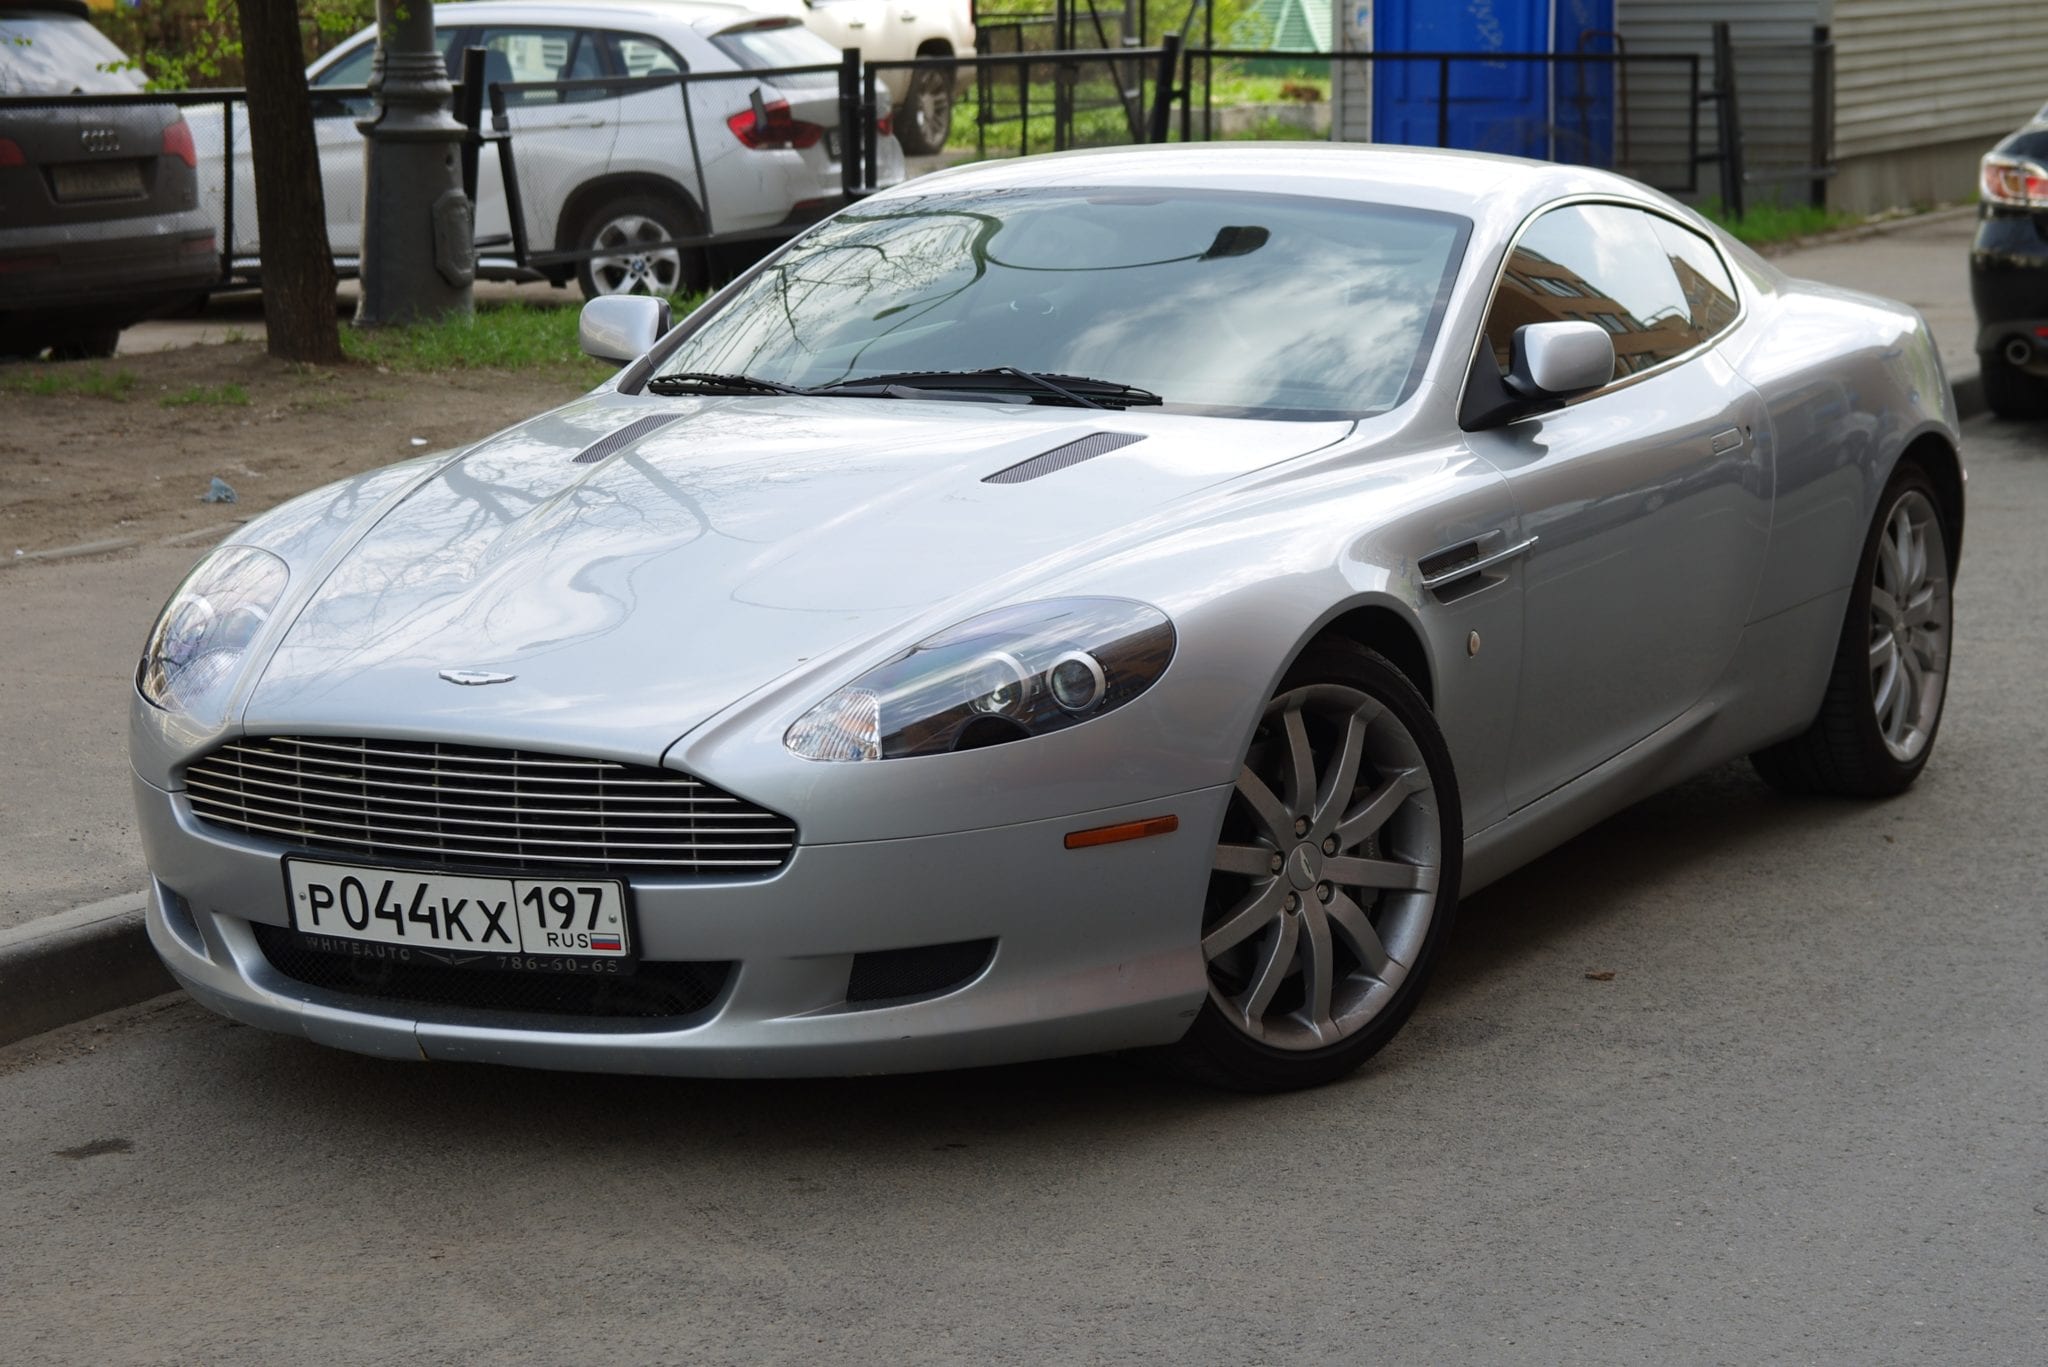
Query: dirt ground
column 80, row 466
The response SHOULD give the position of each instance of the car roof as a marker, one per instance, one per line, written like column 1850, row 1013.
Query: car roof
column 681, row 11
column 1493, row 191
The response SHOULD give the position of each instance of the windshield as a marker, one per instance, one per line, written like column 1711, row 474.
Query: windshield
column 47, row 54
column 1218, row 301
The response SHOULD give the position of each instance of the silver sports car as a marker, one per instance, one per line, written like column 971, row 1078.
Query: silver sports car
column 1103, row 601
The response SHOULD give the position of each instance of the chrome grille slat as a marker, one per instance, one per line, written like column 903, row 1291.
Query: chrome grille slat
column 508, row 809
column 740, row 812
column 507, row 793
column 596, row 832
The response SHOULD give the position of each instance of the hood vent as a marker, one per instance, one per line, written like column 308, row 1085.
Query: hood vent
column 614, row 442
column 1060, row 457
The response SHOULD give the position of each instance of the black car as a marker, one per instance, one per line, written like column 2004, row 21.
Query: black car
column 2009, row 273
column 100, row 224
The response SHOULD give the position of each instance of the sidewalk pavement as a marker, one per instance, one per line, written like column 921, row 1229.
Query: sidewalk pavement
column 57, row 966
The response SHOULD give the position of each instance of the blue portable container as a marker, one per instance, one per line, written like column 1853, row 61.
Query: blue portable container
column 1559, row 111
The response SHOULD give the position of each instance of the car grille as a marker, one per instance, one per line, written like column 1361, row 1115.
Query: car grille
column 668, row 992
column 429, row 802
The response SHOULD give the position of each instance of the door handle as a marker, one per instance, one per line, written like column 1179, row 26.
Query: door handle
column 585, row 121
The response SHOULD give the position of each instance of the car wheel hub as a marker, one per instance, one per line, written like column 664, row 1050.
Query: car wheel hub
column 626, row 266
column 1325, row 877
column 1909, row 626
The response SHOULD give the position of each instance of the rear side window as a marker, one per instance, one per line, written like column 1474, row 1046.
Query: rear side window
column 541, row 54
column 1703, row 278
column 638, row 55
column 1601, row 264
column 56, row 54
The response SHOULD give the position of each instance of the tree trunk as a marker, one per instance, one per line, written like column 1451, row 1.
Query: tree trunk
column 291, row 214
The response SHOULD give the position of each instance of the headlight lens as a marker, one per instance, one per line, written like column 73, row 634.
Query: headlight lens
column 1015, row 672
column 197, row 646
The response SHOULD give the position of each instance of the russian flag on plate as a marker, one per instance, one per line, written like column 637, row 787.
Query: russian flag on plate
column 610, row 942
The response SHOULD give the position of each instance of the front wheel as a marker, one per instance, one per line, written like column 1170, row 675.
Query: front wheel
column 627, row 234
column 1885, row 693
column 926, row 119
column 1333, row 881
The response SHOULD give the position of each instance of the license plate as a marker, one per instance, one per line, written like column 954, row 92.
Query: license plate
column 549, row 925
column 97, row 180
column 831, row 144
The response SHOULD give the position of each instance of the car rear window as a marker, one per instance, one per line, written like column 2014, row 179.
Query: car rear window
column 48, row 54
column 761, row 47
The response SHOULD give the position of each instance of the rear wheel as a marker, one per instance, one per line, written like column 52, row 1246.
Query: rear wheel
column 627, row 233
column 1334, row 879
column 1883, row 704
column 2013, row 394
column 926, row 119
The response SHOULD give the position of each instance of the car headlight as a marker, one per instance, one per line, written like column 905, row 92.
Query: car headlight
column 1015, row 672
column 195, row 650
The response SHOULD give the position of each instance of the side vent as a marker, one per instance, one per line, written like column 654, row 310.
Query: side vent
column 1060, row 457
column 614, row 442
column 1461, row 570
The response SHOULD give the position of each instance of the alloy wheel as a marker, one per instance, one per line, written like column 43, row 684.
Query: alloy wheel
column 630, row 263
column 1909, row 626
column 1325, row 882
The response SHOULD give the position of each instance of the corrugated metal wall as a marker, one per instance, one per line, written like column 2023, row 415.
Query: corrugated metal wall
column 1917, row 73
column 1774, row 77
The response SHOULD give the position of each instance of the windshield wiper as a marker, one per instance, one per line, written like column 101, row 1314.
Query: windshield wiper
column 708, row 382
column 1077, row 390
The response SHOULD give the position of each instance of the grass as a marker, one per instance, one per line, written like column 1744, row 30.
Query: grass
column 90, row 381
column 228, row 395
column 1767, row 224
column 509, row 336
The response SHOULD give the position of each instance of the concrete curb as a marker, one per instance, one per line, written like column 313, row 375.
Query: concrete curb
column 60, row 969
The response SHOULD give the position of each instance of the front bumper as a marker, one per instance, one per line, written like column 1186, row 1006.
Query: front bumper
column 1096, row 949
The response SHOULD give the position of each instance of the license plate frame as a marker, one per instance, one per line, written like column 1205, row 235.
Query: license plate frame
column 491, row 922
column 74, row 182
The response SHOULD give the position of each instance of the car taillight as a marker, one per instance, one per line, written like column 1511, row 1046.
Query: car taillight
column 2015, row 183
column 178, row 143
column 11, row 154
column 779, row 128
column 885, row 125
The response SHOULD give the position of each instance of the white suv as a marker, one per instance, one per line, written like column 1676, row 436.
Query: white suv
column 895, row 31
column 598, row 170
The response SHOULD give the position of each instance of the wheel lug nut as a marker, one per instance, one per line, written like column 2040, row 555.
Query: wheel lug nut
column 1301, row 826
column 1276, row 863
column 1330, row 845
column 1293, row 902
column 1322, row 892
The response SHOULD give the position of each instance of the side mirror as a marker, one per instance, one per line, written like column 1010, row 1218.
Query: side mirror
column 1560, row 360
column 621, row 327
column 1548, row 364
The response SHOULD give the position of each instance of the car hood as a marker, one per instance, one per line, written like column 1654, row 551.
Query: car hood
column 634, row 582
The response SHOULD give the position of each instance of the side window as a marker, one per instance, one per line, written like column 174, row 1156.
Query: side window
column 1600, row 264
column 354, row 69
column 1703, row 278
column 638, row 55
column 541, row 54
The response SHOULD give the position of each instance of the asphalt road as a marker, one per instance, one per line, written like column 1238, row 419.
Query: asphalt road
column 1806, row 1120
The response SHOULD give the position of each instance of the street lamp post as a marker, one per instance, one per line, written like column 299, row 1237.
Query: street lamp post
column 419, row 249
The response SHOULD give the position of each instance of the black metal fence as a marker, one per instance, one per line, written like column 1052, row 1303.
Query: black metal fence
column 1660, row 117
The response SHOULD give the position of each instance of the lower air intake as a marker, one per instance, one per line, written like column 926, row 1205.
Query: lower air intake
column 659, row 994
column 897, row 975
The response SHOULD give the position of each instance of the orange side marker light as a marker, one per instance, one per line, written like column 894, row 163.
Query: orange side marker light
column 1129, row 830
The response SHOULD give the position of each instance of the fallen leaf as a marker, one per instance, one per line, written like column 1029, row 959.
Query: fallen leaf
column 1602, row 975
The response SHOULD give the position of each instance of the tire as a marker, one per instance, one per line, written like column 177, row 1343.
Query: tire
column 86, row 344
column 620, row 224
column 2013, row 395
column 1888, row 684
column 925, row 120
column 1270, row 934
